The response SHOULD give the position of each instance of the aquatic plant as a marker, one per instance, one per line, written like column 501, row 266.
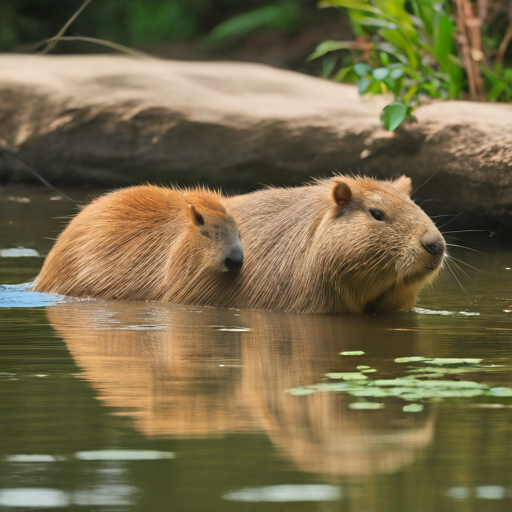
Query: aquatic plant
column 419, row 49
column 425, row 383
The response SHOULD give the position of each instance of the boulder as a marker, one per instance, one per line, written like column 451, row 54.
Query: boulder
column 104, row 120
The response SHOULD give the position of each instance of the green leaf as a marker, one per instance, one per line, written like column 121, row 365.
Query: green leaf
column 384, row 58
column 495, row 92
column 342, row 73
column 412, row 359
column 351, row 4
column 366, row 405
column 363, row 84
column 352, row 353
column 396, row 73
column 376, row 22
column 271, row 16
column 443, row 40
column 329, row 46
column 413, row 408
column 501, row 392
column 397, row 39
column 346, row 376
column 454, row 361
column 328, row 65
column 393, row 115
column 380, row 73
column 362, row 69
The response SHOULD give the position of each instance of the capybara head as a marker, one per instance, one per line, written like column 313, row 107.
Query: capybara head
column 380, row 247
column 213, row 227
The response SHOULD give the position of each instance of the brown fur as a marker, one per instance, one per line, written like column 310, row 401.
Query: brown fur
column 313, row 249
column 142, row 243
column 317, row 248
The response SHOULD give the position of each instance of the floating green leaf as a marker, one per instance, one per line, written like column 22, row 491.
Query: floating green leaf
column 500, row 391
column 413, row 359
column 366, row 405
column 353, row 353
column 347, row 376
column 413, row 408
column 300, row 391
column 363, row 367
column 453, row 361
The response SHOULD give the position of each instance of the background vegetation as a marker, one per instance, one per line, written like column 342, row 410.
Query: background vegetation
column 415, row 50
column 423, row 49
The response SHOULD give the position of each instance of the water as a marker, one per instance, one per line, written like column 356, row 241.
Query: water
column 149, row 406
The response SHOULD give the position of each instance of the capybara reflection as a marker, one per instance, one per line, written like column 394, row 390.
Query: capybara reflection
column 189, row 372
column 339, row 245
column 144, row 243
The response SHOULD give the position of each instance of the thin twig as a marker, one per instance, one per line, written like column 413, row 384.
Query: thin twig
column 54, row 40
column 503, row 46
column 36, row 174
column 103, row 42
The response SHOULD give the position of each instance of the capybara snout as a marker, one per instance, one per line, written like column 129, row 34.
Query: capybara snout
column 436, row 247
column 235, row 258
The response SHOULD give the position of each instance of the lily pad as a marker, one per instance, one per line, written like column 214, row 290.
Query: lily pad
column 363, row 367
column 500, row 391
column 413, row 408
column 366, row 405
column 454, row 361
column 352, row 353
column 412, row 359
column 347, row 376
column 300, row 391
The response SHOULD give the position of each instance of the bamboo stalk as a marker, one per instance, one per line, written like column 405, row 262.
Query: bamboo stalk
column 470, row 42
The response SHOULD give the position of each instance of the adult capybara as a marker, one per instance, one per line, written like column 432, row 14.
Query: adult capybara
column 339, row 245
column 144, row 243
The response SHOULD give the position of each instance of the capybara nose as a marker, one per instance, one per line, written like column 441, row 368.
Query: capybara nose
column 436, row 248
column 234, row 259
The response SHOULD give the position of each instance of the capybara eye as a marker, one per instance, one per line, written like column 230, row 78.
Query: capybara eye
column 377, row 214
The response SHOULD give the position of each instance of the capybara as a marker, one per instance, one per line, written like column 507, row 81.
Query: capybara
column 343, row 244
column 144, row 243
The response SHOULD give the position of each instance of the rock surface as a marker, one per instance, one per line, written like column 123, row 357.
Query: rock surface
column 112, row 120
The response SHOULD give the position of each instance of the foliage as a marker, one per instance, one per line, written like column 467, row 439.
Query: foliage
column 408, row 51
column 285, row 17
column 136, row 22
column 409, row 48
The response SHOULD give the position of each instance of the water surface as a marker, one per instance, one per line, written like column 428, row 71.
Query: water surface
column 151, row 406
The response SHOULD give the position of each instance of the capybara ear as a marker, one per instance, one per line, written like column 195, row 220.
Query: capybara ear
column 403, row 184
column 341, row 193
column 195, row 216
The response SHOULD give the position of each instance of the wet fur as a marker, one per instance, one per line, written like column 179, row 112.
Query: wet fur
column 312, row 249
column 141, row 243
column 305, row 252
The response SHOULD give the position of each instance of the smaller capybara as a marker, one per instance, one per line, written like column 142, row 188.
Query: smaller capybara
column 144, row 243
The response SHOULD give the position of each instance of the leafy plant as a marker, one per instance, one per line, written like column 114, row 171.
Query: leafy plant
column 286, row 17
column 405, row 47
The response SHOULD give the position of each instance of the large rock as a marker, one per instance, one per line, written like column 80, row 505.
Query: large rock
column 110, row 120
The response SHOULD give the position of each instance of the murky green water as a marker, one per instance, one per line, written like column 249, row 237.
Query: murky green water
column 150, row 406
